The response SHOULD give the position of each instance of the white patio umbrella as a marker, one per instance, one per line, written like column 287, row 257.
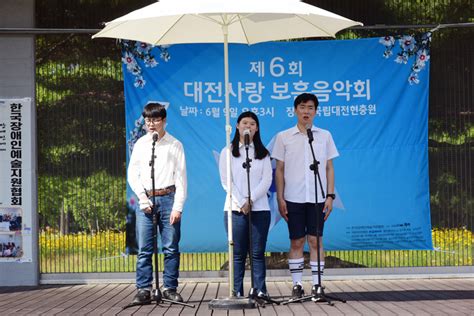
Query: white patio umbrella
column 224, row 21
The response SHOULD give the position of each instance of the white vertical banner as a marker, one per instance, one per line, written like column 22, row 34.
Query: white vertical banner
column 16, row 174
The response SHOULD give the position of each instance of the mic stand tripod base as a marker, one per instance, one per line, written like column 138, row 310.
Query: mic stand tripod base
column 158, row 298
column 319, row 297
column 261, row 300
column 233, row 302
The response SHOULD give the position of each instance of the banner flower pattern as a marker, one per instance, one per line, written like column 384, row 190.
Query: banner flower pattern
column 131, row 51
column 357, row 100
column 410, row 46
column 137, row 132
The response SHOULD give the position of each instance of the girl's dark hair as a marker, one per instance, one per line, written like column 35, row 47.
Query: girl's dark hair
column 154, row 110
column 260, row 150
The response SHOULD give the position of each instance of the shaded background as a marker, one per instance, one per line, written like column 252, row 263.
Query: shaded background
column 81, row 133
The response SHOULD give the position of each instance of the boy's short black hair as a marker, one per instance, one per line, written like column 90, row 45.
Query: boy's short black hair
column 305, row 97
column 154, row 109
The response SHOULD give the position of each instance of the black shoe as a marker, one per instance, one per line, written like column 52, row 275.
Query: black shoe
column 172, row 295
column 297, row 292
column 316, row 292
column 142, row 297
column 263, row 296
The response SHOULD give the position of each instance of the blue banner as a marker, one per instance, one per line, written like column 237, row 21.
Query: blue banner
column 373, row 99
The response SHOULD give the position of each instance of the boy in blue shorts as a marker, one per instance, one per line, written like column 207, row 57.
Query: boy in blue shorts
column 296, row 188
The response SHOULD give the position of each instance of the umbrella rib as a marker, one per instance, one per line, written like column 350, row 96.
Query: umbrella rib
column 235, row 18
column 168, row 30
column 243, row 28
column 316, row 26
column 109, row 29
column 238, row 18
column 205, row 17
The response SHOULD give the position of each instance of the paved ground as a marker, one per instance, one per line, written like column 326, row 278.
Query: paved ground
column 364, row 297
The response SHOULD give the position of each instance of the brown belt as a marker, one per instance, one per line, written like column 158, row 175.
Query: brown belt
column 161, row 192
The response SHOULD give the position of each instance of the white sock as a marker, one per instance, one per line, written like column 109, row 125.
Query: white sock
column 296, row 270
column 314, row 271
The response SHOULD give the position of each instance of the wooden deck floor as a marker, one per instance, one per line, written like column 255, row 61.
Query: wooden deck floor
column 364, row 297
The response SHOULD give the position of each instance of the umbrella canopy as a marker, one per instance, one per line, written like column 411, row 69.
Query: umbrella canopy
column 248, row 21
column 223, row 21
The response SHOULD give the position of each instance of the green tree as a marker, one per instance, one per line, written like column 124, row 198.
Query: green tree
column 91, row 204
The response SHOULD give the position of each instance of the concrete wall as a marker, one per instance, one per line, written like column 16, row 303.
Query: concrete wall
column 17, row 79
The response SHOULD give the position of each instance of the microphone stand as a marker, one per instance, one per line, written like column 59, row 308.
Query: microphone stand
column 320, row 296
column 232, row 302
column 253, row 295
column 157, row 296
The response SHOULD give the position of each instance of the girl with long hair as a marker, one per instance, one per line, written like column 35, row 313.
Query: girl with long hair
column 260, row 181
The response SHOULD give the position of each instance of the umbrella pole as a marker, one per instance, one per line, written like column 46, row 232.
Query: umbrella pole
column 228, row 130
column 230, row 302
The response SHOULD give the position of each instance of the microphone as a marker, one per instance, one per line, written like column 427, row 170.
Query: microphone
column 309, row 132
column 247, row 138
column 155, row 137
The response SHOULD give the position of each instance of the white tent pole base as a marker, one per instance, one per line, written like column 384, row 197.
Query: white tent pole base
column 232, row 303
column 228, row 130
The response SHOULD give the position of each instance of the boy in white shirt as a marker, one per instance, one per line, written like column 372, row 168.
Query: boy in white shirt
column 170, row 194
column 296, row 187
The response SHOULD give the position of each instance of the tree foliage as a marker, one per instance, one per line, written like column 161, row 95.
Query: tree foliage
column 93, row 203
column 80, row 106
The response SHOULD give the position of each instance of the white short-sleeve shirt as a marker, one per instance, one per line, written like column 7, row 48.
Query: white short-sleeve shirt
column 292, row 147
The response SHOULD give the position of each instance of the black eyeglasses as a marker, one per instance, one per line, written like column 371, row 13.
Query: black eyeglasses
column 152, row 120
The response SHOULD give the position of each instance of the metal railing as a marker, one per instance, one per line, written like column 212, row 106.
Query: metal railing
column 81, row 160
column 81, row 137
